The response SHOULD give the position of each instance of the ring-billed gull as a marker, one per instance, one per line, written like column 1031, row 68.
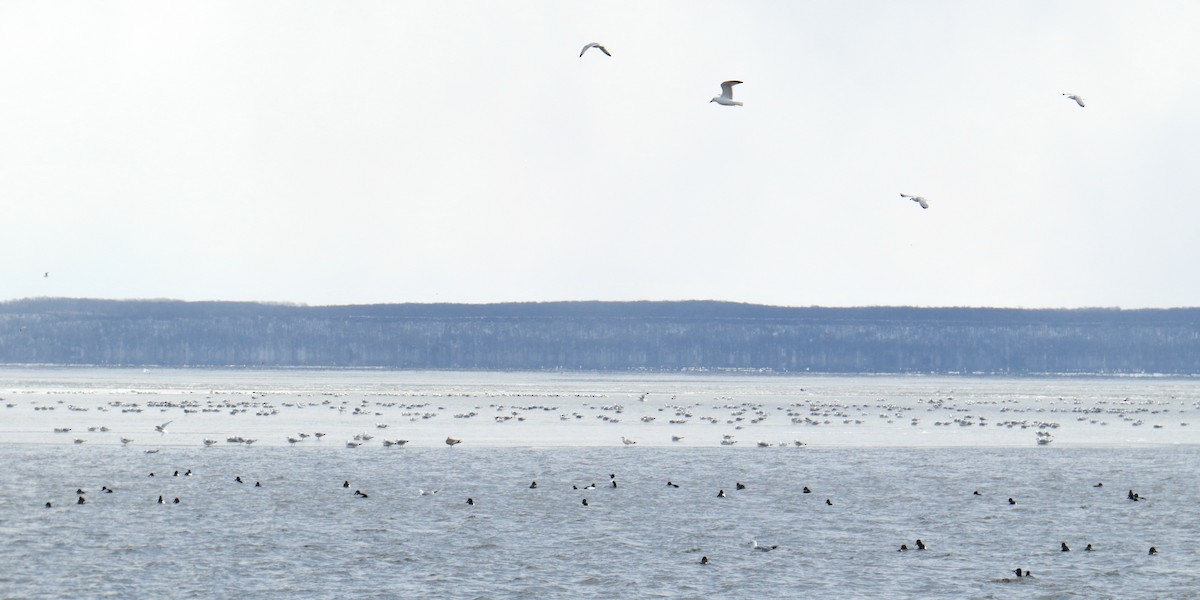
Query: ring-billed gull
column 594, row 45
column 1076, row 97
column 919, row 200
column 726, row 97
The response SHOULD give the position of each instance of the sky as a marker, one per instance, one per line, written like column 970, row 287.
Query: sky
column 392, row 151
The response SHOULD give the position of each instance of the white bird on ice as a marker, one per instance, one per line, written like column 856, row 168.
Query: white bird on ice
column 1076, row 97
column 919, row 200
column 162, row 429
column 627, row 441
column 726, row 97
column 594, row 45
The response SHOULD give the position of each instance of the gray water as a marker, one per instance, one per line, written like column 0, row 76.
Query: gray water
column 302, row 534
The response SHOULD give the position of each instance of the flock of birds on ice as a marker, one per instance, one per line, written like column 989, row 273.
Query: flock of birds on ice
column 681, row 416
column 723, row 417
column 726, row 99
column 420, row 412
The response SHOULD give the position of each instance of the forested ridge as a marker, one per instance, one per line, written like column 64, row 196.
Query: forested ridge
column 606, row 336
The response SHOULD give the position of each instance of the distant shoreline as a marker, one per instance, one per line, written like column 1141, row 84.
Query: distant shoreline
column 605, row 337
column 683, row 373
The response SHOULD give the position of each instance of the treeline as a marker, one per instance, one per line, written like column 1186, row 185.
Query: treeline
column 611, row 336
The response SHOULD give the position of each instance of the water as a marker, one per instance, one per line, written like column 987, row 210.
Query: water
column 303, row 534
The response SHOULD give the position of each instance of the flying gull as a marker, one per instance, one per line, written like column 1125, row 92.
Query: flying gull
column 594, row 45
column 726, row 97
column 1076, row 97
column 918, row 199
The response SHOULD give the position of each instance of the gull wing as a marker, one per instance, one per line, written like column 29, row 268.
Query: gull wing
column 727, row 89
column 594, row 45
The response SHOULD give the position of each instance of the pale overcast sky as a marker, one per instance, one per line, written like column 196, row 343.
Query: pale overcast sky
column 390, row 151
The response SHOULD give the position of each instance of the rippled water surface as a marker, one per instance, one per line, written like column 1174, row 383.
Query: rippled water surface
column 303, row 534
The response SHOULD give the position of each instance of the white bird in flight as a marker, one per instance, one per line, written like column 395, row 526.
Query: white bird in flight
column 162, row 428
column 726, row 97
column 1076, row 97
column 919, row 200
column 594, row 45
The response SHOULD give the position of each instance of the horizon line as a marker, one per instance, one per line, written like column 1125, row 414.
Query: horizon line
column 641, row 301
